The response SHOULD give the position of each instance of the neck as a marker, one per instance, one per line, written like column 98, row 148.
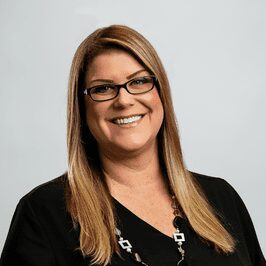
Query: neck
column 136, row 174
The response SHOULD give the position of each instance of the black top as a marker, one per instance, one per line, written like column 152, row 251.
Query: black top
column 42, row 232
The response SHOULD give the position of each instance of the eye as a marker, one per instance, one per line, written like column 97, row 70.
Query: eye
column 140, row 81
column 106, row 89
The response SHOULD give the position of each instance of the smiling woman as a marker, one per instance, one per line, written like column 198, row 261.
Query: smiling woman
column 127, row 197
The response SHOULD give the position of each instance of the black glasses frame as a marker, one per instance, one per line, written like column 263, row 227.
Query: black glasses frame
column 119, row 86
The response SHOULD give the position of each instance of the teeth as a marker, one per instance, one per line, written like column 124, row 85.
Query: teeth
column 127, row 120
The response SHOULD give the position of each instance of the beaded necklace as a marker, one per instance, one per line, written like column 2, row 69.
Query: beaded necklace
column 178, row 237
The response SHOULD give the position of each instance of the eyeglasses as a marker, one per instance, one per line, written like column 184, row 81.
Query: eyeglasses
column 108, row 92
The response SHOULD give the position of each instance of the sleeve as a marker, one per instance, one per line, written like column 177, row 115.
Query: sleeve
column 26, row 242
column 248, row 230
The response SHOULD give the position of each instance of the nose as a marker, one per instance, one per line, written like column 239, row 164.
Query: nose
column 124, row 98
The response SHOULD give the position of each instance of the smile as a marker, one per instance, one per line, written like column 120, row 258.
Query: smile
column 127, row 120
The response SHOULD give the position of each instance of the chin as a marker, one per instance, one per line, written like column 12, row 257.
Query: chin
column 133, row 146
column 130, row 147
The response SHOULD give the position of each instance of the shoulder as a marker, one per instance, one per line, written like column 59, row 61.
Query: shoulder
column 41, row 228
column 47, row 197
column 214, row 186
column 48, row 190
column 233, row 212
column 226, row 202
column 44, row 207
column 222, row 196
column 209, row 181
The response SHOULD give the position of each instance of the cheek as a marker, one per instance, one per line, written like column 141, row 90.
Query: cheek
column 159, row 114
column 94, row 115
column 154, row 104
column 157, row 104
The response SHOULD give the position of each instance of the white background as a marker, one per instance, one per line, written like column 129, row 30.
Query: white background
column 214, row 53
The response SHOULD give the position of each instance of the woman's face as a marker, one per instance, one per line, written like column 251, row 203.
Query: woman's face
column 117, row 66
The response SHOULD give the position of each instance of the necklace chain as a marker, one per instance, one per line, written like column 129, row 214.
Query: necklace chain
column 177, row 236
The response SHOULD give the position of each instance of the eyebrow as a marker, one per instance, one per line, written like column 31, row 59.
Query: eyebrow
column 111, row 81
column 135, row 73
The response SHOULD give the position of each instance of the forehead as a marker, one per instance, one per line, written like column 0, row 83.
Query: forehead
column 112, row 65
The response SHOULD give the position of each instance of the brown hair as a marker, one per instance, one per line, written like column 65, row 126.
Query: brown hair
column 89, row 201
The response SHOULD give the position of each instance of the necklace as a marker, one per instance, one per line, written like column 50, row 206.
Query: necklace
column 178, row 237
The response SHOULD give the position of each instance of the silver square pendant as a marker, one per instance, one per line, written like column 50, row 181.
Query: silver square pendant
column 179, row 237
column 125, row 244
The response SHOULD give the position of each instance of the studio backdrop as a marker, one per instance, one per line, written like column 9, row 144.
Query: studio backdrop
column 214, row 53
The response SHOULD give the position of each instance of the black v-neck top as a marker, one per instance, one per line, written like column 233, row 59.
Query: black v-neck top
column 42, row 232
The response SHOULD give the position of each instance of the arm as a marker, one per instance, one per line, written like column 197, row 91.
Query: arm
column 26, row 243
column 247, row 227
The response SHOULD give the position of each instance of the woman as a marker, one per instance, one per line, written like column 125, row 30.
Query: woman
column 127, row 198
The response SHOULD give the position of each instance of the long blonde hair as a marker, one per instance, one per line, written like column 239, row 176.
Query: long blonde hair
column 88, row 199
